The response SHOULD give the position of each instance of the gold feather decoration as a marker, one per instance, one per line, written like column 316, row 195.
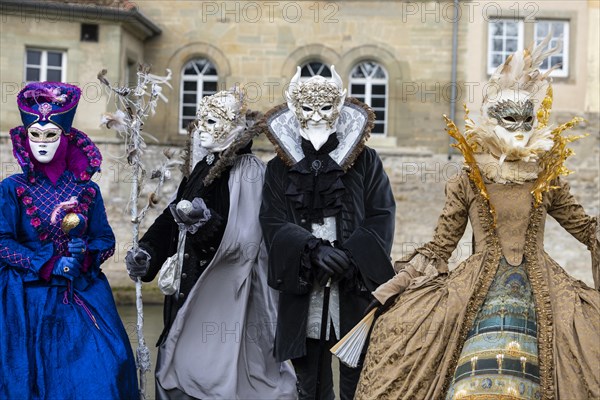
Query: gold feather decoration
column 553, row 162
column 470, row 131
column 543, row 114
column 467, row 151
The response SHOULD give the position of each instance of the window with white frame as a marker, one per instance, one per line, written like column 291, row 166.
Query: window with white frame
column 505, row 36
column 369, row 84
column 560, row 33
column 199, row 78
column 45, row 65
column 312, row 68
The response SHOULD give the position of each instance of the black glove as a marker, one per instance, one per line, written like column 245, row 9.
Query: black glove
column 381, row 308
column 322, row 276
column 333, row 263
column 386, row 306
column 137, row 262
column 373, row 304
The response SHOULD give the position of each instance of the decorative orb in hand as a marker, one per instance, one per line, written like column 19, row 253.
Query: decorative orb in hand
column 73, row 225
column 184, row 207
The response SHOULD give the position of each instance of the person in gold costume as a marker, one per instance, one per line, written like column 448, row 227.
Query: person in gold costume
column 509, row 322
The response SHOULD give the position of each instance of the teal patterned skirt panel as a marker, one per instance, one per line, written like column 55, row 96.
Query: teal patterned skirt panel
column 500, row 357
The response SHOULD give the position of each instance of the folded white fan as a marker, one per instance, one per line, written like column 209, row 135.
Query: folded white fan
column 348, row 349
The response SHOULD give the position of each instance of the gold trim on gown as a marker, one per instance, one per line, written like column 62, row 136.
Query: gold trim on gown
column 416, row 345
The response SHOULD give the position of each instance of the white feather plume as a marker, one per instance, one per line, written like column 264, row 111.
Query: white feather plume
column 521, row 70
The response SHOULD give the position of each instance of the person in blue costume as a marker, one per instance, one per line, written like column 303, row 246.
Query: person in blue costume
column 60, row 334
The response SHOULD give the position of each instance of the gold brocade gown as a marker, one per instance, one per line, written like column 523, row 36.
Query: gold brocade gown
column 415, row 347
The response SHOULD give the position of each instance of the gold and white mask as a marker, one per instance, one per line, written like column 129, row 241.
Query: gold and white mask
column 221, row 118
column 514, row 115
column 507, row 129
column 44, row 141
column 317, row 103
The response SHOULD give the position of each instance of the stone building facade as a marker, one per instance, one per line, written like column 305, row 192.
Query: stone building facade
column 395, row 55
column 73, row 40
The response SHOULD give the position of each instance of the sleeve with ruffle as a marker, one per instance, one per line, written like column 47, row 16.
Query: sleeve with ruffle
column 450, row 227
column 565, row 209
column 213, row 228
column 431, row 259
column 288, row 244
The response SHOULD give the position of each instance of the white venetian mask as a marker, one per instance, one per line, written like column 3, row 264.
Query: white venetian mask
column 317, row 104
column 220, row 120
column 514, row 116
column 507, row 128
column 44, row 141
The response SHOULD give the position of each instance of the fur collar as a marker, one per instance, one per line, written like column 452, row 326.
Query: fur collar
column 353, row 130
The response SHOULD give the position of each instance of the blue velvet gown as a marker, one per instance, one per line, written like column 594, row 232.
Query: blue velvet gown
column 58, row 340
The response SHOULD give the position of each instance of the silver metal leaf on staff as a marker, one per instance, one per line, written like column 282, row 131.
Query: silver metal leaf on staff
column 134, row 106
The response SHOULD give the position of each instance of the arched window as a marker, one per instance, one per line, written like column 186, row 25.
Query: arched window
column 198, row 79
column 368, row 83
column 312, row 68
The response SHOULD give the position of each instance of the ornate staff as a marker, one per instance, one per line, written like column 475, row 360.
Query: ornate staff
column 134, row 106
column 323, row 338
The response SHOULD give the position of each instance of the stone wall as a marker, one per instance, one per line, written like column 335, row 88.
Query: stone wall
column 259, row 45
column 417, row 176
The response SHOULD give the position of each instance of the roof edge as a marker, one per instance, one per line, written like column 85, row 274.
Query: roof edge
column 132, row 18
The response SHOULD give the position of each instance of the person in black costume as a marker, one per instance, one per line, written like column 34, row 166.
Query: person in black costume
column 208, row 181
column 223, row 278
column 328, row 217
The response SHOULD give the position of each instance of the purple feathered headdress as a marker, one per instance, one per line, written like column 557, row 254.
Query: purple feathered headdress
column 46, row 102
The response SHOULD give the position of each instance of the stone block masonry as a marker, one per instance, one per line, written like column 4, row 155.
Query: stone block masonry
column 418, row 178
